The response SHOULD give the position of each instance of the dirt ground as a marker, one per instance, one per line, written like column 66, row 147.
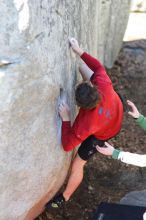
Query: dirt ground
column 106, row 179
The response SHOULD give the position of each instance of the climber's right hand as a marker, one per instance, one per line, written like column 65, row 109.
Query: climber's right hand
column 75, row 46
column 64, row 111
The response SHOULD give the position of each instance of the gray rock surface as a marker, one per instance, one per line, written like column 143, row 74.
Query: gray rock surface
column 35, row 64
column 137, row 198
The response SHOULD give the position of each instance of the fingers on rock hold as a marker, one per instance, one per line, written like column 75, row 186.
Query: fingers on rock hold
column 71, row 40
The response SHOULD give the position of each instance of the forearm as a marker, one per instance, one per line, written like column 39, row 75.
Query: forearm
column 78, row 51
column 68, row 137
column 130, row 158
column 91, row 62
column 85, row 72
column 141, row 121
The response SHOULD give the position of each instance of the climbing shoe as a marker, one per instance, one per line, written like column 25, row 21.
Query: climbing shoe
column 56, row 202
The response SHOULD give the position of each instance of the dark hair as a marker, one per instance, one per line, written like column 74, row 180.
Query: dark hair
column 86, row 95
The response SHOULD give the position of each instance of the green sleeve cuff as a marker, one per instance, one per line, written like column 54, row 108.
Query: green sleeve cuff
column 141, row 117
column 141, row 121
column 115, row 154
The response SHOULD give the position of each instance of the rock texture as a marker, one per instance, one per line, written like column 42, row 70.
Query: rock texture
column 138, row 5
column 137, row 198
column 35, row 65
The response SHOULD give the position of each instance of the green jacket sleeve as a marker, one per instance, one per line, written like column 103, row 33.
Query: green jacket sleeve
column 141, row 121
column 115, row 154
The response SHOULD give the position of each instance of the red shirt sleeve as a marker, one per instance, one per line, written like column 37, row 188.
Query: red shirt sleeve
column 82, row 128
column 100, row 77
column 69, row 138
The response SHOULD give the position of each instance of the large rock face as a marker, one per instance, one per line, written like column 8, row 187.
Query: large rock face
column 137, row 198
column 35, row 65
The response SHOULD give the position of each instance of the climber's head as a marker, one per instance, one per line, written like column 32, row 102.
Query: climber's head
column 86, row 95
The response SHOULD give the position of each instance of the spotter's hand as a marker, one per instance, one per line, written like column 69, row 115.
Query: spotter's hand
column 107, row 150
column 134, row 112
column 64, row 111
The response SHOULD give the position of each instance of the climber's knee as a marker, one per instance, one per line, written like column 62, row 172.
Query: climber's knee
column 78, row 164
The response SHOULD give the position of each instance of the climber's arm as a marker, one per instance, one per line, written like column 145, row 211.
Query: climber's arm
column 68, row 137
column 99, row 76
column 85, row 71
column 73, row 135
column 91, row 62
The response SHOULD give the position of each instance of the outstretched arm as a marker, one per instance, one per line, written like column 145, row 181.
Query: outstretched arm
column 125, row 157
column 100, row 77
column 91, row 62
column 85, row 71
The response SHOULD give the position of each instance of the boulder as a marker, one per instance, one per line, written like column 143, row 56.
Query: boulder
column 137, row 198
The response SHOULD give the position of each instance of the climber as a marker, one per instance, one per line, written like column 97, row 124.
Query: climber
column 99, row 119
column 126, row 157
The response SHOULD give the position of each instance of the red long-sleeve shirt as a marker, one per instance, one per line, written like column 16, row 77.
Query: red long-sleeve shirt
column 105, row 120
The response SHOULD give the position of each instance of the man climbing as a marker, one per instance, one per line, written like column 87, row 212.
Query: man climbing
column 99, row 119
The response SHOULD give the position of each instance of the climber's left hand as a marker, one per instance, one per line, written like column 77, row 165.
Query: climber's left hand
column 64, row 111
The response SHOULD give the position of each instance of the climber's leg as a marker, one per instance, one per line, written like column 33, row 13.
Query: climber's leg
column 75, row 179
column 86, row 150
column 85, row 72
column 55, row 202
